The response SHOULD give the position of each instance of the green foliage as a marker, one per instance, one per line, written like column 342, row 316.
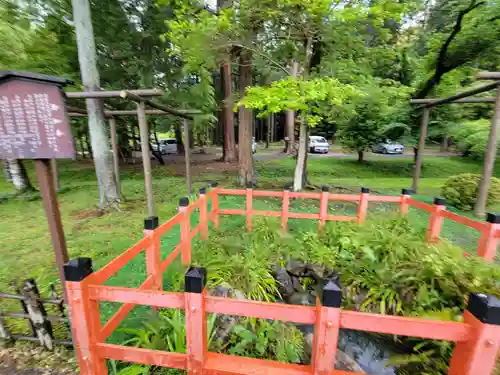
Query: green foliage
column 168, row 333
column 385, row 266
column 303, row 96
column 244, row 265
column 367, row 118
column 267, row 340
column 461, row 190
column 471, row 137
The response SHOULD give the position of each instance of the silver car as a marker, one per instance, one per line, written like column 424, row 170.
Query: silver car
column 388, row 147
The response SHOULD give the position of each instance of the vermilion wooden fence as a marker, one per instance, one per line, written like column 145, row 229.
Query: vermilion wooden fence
column 477, row 338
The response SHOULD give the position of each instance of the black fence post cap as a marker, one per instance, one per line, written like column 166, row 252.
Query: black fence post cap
column 214, row 184
column 438, row 201
column 485, row 307
column 184, row 202
column 77, row 269
column 195, row 279
column 331, row 295
column 407, row 192
column 365, row 190
column 203, row 190
column 493, row 218
column 151, row 223
column 325, row 188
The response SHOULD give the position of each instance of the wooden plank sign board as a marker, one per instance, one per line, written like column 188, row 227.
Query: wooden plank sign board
column 34, row 125
column 33, row 119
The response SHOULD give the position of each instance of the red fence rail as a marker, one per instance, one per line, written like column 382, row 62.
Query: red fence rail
column 477, row 338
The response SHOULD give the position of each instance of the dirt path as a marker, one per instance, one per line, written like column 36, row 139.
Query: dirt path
column 31, row 360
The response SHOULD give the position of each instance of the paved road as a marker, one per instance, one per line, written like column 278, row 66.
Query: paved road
column 279, row 155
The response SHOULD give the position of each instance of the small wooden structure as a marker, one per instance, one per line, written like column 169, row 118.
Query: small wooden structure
column 34, row 310
column 491, row 149
column 477, row 337
column 139, row 97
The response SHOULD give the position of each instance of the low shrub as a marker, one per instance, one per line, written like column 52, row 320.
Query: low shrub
column 471, row 137
column 461, row 190
column 384, row 266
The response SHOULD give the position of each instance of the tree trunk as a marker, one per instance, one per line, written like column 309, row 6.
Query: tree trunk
column 445, row 144
column 178, row 139
column 108, row 191
column 6, row 171
column 300, row 178
column 273, row 128
column 89, row 147
column 361, row 156
column 227, row 114
column 156, row 153
column 191, row 138
column 489, row 161
column 245, row 156
column 229, row 154
column 19, row 176
column 269, row 120
column 290, row 118
column 82, row 145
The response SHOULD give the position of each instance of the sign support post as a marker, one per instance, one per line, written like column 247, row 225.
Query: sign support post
column 45, row 178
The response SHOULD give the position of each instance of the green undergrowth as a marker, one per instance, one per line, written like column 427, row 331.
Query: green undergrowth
column 385, row 261
column 384, row 266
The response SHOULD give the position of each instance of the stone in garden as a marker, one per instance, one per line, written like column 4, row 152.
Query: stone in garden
column 315, row 271
column 285, row 287
column 296, row 268
column 304, row 299
column 297, row 286
column 225, row 323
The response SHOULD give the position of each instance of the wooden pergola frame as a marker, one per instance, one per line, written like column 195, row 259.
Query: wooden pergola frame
column 491, row 149
column 140, row 98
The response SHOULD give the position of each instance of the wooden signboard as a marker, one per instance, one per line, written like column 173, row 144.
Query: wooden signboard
column 33, row 120
column 34, row 125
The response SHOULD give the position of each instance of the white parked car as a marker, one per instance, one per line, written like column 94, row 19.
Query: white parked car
column 318, row 144
column 167, row 146
column 388, row 147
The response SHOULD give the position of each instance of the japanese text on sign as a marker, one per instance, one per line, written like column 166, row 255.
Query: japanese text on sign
column 33, row 123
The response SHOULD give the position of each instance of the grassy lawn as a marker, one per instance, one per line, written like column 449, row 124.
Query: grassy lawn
column 26, row 249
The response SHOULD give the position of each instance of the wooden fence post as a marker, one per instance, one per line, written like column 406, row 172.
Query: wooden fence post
column 323, row 206
column 487, row 246
column 478, row 354
column 185, row 229
column 249, row 202
column 284, row 213
column 326, row 329
column 85, row 320
column 203, row 214
column 4, row 332
column 363, row 204
column 435, row 221
column 153, row 252
column 37, row 314
column 215, row 204
column 196, row 321
column 24, row 307
column 403, row 205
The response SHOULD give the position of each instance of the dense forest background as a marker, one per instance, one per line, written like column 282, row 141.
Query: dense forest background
column 274, row 69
